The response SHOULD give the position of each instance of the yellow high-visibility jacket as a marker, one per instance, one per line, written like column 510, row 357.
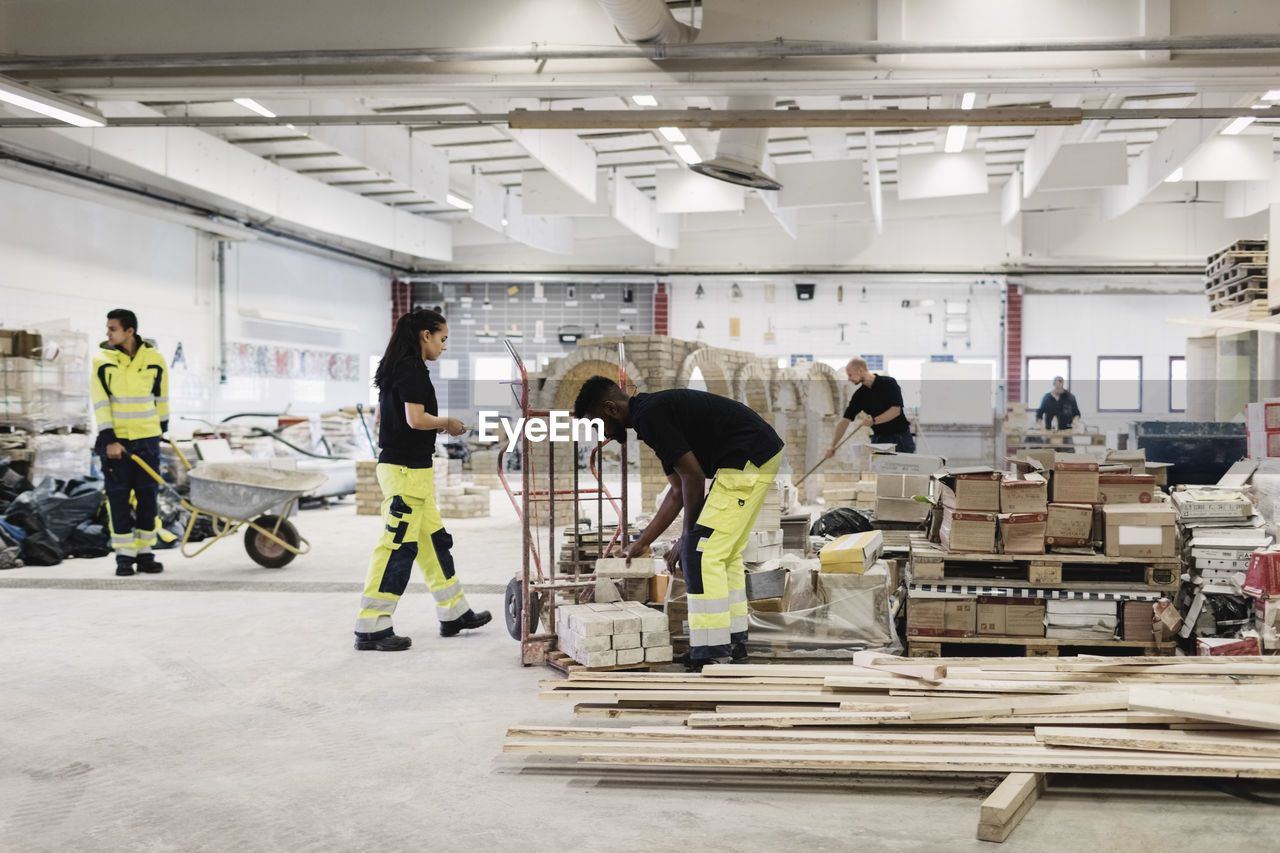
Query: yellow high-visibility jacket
column 130, row 395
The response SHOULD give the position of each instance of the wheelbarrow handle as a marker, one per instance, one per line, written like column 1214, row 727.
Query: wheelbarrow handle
column 145, row 467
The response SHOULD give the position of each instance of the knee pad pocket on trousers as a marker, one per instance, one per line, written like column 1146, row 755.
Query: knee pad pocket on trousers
column 399, row 568
column 441, row 541
column 691, row 559
column 399, row 507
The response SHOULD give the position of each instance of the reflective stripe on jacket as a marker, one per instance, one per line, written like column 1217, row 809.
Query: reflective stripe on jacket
column 130, row 395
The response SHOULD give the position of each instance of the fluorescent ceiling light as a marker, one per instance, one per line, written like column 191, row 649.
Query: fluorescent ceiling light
column 1237, row 125
column 253, row 106
column 673, row 134
column 458, row 202
column 955, row 138
column 48, row 104
column 1272, row 95
column 687, row 154
column 966, row 103
column 645, row 100
column 1174, row 176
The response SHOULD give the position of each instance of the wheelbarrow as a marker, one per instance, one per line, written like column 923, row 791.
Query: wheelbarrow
column 235, row 496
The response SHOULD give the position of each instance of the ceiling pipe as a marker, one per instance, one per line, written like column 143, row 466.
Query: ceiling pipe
column 775, row 49
column 740, row 151
column 647, row 22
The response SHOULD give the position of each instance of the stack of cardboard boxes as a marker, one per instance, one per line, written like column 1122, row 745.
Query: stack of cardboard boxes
column 764, row 542
column 44, row 379
column 899, row 479
column 1262, row 428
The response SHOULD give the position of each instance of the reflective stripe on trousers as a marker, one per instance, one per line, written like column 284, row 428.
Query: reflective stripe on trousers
column 131, row 498
column 712, row 561
column 412, row 531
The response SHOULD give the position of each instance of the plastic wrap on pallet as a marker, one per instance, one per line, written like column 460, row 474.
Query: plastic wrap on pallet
column 47, row 387
column 63, row 457
column 1266, row 494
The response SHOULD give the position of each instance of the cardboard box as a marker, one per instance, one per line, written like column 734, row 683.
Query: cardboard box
column 976, row 488
column 1140, row 530
column 1068, row 524
column 1189, row 507
column 1043, row 456
column 902, row 509
column 1263, row 416
column 1126, row 488
column 1134, row 460
column 7, row 342
column 1262, row 578
column 1137, row 621
column 1160, row 470
column 942, row 617
column 1228, row 646
column 905, row 463
column 968, row 531
column 658, row 585
column 902, row 485
column 1261, row 444
column 1010, row 617
column 1075, row 482
column 852, row 553
column 1266, row 619
column 1030, row 494
column 1023, row 532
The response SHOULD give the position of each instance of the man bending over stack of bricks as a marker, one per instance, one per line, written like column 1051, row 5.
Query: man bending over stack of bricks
column 696, row 434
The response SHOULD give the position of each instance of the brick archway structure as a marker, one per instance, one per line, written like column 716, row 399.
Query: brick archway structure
column 752, row 386
column 711, row 363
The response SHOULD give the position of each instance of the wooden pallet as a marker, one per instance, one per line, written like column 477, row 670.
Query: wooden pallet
column 1248, row 297
column 929, row 563
column 1225, row 260
column 1041, row 647
column 1233, row 275
column 558, row 660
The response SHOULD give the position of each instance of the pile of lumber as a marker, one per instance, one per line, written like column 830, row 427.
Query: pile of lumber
column 1151, row 716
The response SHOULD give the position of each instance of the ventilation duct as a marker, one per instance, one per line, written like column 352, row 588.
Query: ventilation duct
column 647, row 22
column 740, row 153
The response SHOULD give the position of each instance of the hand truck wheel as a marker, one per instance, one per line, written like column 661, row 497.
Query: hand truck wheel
column 511, row 609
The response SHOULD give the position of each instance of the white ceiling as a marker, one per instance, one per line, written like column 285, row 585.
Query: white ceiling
column 130, row 57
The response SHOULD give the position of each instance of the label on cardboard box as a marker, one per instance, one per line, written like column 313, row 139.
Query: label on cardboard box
column 1010, row 617
column 1075, row 482
column 1068, row 524
column 976, row 488
column 1139, row 530
column 1126, row 488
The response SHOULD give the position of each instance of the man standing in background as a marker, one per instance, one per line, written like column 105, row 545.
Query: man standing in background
column 1060, row 404
column 130, row 392
column 878, row 404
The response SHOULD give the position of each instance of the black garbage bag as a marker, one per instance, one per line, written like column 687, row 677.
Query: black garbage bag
column 840, row 520
column 12, row 484
column 41, row 549
column 89, row 539
column 47, row 508
column 10, row 546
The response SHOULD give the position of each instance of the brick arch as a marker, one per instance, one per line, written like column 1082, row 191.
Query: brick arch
column 788, row 392
column 565, row 376
column 713, row 371
column 752, row 386
column 825, row 393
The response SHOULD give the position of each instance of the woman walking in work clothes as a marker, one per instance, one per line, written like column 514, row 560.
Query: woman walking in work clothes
column 412, row 529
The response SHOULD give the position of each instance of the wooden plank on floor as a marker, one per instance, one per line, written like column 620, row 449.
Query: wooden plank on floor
column 1217, row 743
column 1116, row 700
column 1008, row 805
column 1220, row 707
column 957, row 685
column 899, row 666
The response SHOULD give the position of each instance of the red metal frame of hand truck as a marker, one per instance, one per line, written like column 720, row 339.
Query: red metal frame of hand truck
column 534, row 576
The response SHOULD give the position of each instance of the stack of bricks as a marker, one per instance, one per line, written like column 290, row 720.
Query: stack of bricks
column 462, row 501
column 368, row 492
column 484, row 469
column 623, row 633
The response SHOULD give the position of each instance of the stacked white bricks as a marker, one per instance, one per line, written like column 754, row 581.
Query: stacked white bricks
column 368, row 492
column 463, row 501
column 623, row 633
column 484, row 469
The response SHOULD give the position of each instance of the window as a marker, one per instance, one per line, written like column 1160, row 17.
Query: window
column 490, row 381
column 908, row 372
column 1041, row 369
column 1177, row 383
column 1119, row 383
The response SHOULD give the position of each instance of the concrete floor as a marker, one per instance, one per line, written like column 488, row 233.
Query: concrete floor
column 220, row 707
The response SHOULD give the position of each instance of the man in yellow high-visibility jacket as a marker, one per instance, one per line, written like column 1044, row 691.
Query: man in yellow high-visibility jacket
column 130, row 390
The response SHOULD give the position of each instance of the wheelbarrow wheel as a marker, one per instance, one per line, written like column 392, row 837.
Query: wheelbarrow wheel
column 511, row 609
column 268, row 554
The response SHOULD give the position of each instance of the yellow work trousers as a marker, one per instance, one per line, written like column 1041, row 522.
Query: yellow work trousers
column 712, row 558
column 412, row 532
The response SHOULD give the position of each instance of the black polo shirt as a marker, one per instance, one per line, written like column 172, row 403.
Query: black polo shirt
column 882, row 396
column 721, row 433
column 1064, row 408
column 410, row 382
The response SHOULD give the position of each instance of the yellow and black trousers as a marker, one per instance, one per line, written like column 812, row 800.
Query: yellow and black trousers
column 712, row 558
column 133, row 521
column 412, row 532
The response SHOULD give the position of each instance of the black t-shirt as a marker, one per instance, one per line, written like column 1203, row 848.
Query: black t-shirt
column 1063, row 408
column 722, row 433
column 410, row 382
column 883, row 395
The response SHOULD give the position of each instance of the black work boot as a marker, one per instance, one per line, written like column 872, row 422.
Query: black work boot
column 738, row 654
column 470, row 619
column 386, row 640
column 148, row 565
column 124, row 566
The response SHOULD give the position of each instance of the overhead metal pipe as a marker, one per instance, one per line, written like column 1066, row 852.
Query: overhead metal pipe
column 775, row 49
column 647, row 22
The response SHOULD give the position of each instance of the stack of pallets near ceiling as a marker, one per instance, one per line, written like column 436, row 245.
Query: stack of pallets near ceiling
column 1237, row 276
column 1026, row 717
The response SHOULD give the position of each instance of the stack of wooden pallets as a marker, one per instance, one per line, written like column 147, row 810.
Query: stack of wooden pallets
column 1026, row 717
column 1237, row 275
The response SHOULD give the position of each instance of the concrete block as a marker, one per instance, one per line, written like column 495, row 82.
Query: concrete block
column 591, row 624
column 628, row 657
column 624, row 623
column 657, row 654
column 609, row 658
column 649, row 639
column 626, row 641
column 607, row 590
column 600, row 643
column 616, row 567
